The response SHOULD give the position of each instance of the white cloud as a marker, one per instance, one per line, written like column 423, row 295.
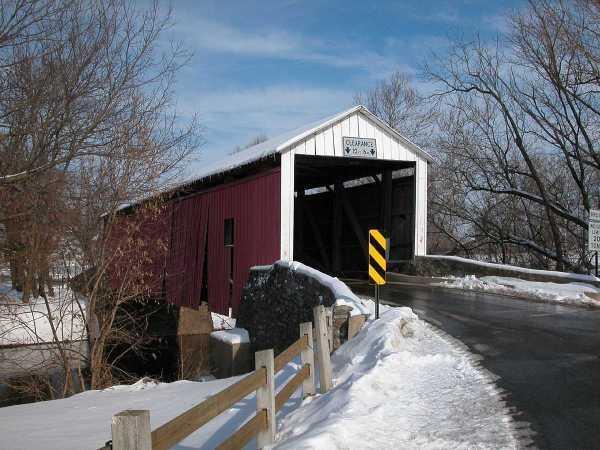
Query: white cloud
column 498, row 23
column 233, row 117
column 223, row 38
column 274, row 43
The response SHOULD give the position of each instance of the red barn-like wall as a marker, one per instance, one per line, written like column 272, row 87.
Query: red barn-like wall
column 254, row 204
column 138, row 248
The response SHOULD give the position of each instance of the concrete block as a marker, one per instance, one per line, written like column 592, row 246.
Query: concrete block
column 355, row 324
column 229, row 359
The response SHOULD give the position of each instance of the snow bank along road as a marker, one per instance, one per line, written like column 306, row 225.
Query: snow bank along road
column 574, row 294
column 547, row 356
column 398, row 384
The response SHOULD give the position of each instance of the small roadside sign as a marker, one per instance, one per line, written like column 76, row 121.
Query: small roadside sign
column 377, row 257
column 378, row 251
column 594, row 230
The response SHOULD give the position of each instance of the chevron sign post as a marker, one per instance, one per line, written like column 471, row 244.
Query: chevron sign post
column 378, row 248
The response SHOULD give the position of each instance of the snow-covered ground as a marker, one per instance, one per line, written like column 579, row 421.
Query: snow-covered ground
column 83, row 420
column 524, row 270
column 28, row 323
column 567, row 293
column 232, row 336
column 398, row 384
column 401, row 384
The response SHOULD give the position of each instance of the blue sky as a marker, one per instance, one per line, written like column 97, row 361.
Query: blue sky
column 265, row 67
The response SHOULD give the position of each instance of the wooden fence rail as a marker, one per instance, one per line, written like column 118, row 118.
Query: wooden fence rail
column 284, row 394
column 177, row 429
column 131, row 429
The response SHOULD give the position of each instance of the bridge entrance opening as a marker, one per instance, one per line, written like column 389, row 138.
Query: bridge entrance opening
column 336, row 202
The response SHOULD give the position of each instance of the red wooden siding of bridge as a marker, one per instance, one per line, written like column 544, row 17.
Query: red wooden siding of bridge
column 254, row 205
column 138, row 247
column 185, row 224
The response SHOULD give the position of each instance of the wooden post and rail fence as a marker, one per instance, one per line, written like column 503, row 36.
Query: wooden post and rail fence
column 131, row 428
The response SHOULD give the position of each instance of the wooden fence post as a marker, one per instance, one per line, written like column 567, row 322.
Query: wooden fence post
column 323, row 355
column 131, row 430
column 307, row 356
column 329, row 322
column 265, row 397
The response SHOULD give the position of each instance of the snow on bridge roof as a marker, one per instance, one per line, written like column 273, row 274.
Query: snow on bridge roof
column 283, row 141
column 278, row 144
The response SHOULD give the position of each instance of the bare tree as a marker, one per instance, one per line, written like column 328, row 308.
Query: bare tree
column 519, row 133
column 398, row 104
column 88, row 89
column 43, row 340
column 86, row 125
column 127, row 268
column 89, row 84
column 258, row 139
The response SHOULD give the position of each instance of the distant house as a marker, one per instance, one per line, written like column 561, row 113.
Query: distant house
column 309, row 195
column 28, row 347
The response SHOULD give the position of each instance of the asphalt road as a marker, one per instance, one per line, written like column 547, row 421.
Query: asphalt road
column 547, row 356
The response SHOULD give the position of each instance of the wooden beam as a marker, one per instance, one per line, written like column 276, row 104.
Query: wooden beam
column 242, row 436
column 292, row 386
column 177, row 429
column 323, row 356
column 386, row 195
column 299, row 224
column 265, row 397
column 318, row 237
column 329, row 325
column 361, row 234
column 307, row 357
column 131, row 430
column 336, row 231
column 290, row 353
column 316, row 263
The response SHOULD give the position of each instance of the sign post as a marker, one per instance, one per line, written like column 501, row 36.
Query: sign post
column 594, row 235
column 378, row 246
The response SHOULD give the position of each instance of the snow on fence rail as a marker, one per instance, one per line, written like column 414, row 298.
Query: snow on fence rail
column 131, row 428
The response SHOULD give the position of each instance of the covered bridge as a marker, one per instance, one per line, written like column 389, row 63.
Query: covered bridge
column 309, row 195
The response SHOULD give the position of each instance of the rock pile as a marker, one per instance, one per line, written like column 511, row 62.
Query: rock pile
column 275, row 301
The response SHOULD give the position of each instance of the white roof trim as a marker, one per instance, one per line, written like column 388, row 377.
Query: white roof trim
column 362, row 109
column 328, row 122
column 282, row 143
column 406, row 141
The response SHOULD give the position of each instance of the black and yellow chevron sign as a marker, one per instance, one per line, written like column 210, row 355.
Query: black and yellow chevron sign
column 377, row 252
